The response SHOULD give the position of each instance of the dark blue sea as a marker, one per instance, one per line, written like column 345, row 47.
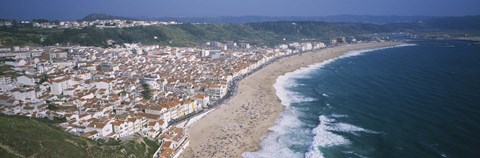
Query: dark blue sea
column 416, row 100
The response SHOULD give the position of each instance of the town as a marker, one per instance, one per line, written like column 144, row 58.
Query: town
column 114, row 23
column 131, row 90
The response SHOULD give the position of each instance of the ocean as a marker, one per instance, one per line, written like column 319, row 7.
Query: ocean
column 415, row 100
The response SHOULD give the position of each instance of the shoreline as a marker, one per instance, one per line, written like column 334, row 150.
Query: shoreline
column 472, row 39
column 239, row 124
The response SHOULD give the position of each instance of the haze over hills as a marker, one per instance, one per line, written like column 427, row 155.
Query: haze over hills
column 446, row 22
column 467, row 24
column 471, row 22
column 252, row 19
column 270, row 32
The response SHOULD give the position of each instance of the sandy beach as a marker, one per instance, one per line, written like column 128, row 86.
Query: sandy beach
column 238, row 125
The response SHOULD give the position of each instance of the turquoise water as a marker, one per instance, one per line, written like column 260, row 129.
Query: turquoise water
column 419, row 100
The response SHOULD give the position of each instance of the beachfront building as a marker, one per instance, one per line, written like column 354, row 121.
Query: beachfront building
column 216, row 91
column 173, row 142
column 202, row 100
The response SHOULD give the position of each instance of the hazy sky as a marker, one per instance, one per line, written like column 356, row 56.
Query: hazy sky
column 76, row 9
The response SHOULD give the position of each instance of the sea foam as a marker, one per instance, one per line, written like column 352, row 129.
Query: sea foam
column 277, row 142
column 324, row 137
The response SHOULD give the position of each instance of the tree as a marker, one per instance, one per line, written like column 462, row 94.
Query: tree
column 146, row 93
column 43, row 78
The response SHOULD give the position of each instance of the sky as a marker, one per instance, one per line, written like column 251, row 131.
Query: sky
column 77, row 9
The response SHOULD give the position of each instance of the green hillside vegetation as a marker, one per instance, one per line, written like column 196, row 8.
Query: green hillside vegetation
column 25, row 137
column 23, row 35
column 314, row 29
column 176, row 35
column 261, row 33
column 267, row 33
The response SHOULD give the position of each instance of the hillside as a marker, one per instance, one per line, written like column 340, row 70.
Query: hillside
column 266, row 33
column 24, row 137
column 183, row 34
column 314, row 29
column 261, row 33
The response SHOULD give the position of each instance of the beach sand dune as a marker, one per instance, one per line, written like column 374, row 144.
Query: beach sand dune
column 238, row 125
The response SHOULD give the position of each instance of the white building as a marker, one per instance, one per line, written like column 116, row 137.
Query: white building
column 25, row 95
column 26, row 80
column 58, row 86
